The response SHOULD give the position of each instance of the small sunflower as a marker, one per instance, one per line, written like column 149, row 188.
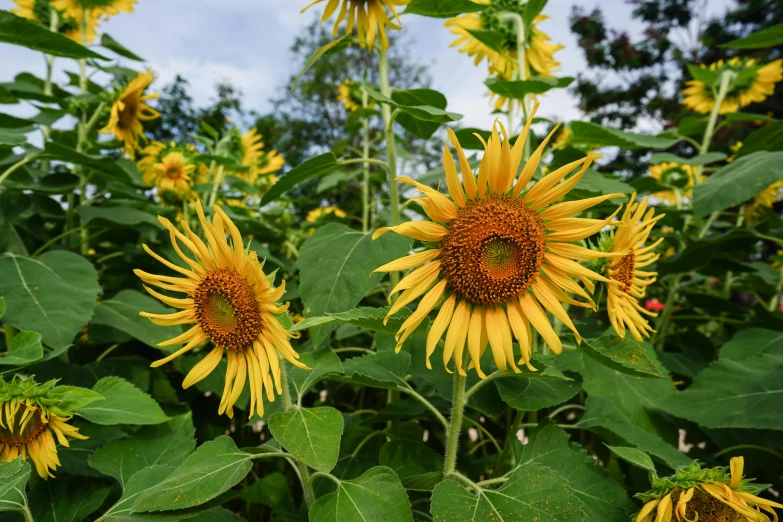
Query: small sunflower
column 673, row 175
column 694, row 494
column 623, row 300
column 317, row 213
column 765, row 200
column 352, row 100
column 539, row 52
column 369, row 16
column 30, row 421
column 249, row 148
column 100, row 8
column 229, row 302
column 170, row 169
column 129, row 110
column 40, row 11
column 497, row 255
column 752, row 83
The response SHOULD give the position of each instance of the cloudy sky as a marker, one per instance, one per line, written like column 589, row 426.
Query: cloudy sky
column 246, row 43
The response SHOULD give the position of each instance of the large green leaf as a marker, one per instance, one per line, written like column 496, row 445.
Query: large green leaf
column 603, row 416
column 299, row 174
column 603, row 498
column 113, row 45
column 384, row 369
column 25, row 349
column 215, row 467
column 532, row 394
column 270, row 490
column 625, row 355
column 518, row 89
column 442, row 8
column 73, row 397
column 311, row 435
column 104, row 164
column 376, row 496
column 121, row 215
column 59, row 500
column 769, row 138
column 737, row 182
column 13, row 480
column 336, row 265
column 742, row 389
column 419, row 467
column 121, row 312
column 634, row 456
column 586, row 133
column 53, row 294
column 769, row 37
column 594, row 181
column 169, row 444
column 20, row 31
column 533, row 493
column 123, row 403
column 321, row 363
column 701, row 159
column 364, row 317
column 416, row 110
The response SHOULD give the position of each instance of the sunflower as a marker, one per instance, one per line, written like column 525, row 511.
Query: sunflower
column 98, row 8
column 40, row 11
column 317, row 213
column 539, row 52
column 673, row 175
column 229, row 302
column 30, row 421
column 497, row 254
column 170, row 169
column 751, row 83
column 369, row 16
column 694, row 494
column 129, row 110
column 249, row 149
column 623, row 300
column 765, row 200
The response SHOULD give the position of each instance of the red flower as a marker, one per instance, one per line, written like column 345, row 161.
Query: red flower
column 654, row 305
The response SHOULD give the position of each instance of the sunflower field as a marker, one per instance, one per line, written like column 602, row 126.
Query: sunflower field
column 394, row 317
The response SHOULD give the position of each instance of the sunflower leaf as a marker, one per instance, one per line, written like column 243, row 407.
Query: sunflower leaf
column 769, row 37
column 113, row 45
column 442, row 8
column 20, row 31
column 332, row 47
column 56, row 500
column 585, row 133
column 633, row 456
column 13, row 480
column 25, row 349
column 123, row 403
column 299, row 174
column 624, row 355
column 518, row 89
column 121, row 312
column 701, row 159
column 311, row 435
column 419, row 467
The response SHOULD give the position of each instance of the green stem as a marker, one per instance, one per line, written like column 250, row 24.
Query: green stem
column 391, row 152
column 22, row 162
column 521, row 72
column 28, row 517
column 426, row 403
column 215, row 184
column 365, row 161
column 54, row 20
column 107, row 351
column 749, row 446
column 84, row 237
column 668, row 310
column 455, row 424
column 366, row 174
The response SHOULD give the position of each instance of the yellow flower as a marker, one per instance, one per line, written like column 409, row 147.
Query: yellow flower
column 170, row 169
column 40, row 11
column 317, row 213
column 369, row 16
column 229, row 302
column 734, row 149
column 673, row 174
column 344, row 95
column 129, row 110
column 252, row 155
column 765, row 200
column 498, row 255
column 694, row 494
column 623, row 300
column 539, row 52
column 29, row 423
column 99, row 8
column 752, row 83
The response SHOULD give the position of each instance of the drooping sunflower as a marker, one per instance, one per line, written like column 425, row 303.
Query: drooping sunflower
column 100, row 8
column 764, row 201
column 675, row 175
column 129, row 110
column 694, row 494
column 169, row 168
column 249, row 149
column 497, row 254
column 369, row 16
column 30, row 421
column 622, row 300
column 40, row 11
column 752, row 83
column 231, row 303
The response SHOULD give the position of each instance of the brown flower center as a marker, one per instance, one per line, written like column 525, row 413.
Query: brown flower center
column 227, row 310
column 624, row 271
column 129, row 114
column 494, row 250
column 708, row 508
column 173, row 172
column 32, row 429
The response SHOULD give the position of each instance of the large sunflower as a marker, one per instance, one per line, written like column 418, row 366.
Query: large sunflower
column 129, row 110
column 30, row 421
column 40, row 11
column 497, row 255
column 623, row 300
column 765, row 200
column 99, row 8
column 539, row 52
column 369, row 17
column 673, row 175
column 169, row 168
column 752, row 83
column 229, row 302
column 694, row 494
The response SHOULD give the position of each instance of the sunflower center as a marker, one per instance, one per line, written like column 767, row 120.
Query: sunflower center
column 227, row 310
column 32, row 429
column 709, row 509
column 129, row 114
column 624, row 270
column 172, row 172
column 494, row 250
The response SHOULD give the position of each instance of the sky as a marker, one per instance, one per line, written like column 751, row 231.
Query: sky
column 245, row 42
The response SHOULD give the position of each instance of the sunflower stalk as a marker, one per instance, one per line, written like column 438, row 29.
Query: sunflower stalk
column 366, row 174
column 520, row 73
column 82, row 137
column 455, row 424
column 54, row 20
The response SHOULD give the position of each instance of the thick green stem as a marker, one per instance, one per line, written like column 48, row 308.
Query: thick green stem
column 215, row 185
column 391, row 152
column 366, row 175
column 82, row 138
column 455, row 424
column 54, row 20
column 521, row 73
